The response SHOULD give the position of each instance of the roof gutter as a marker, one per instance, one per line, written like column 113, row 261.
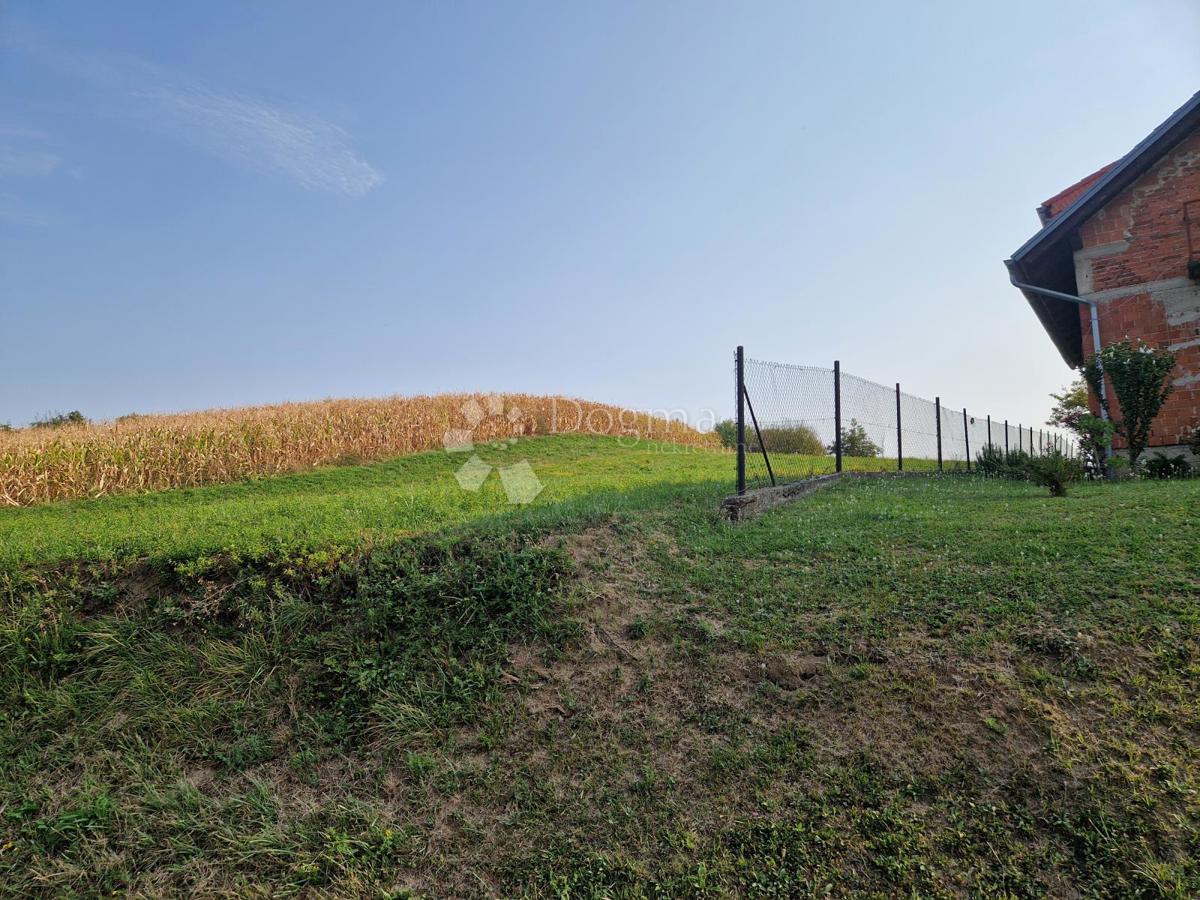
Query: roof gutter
column 1093, row 309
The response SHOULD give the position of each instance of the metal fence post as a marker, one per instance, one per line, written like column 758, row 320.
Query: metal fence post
column 967, row 438
column 937, row 405
column 1006, row 439
column 899, row 434
column 1031, row 440
column 740, row 368
column 1020, row 437
column 989, row 432
column 837, row 414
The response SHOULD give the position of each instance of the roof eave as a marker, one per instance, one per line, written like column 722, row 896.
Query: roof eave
column 1059, row 317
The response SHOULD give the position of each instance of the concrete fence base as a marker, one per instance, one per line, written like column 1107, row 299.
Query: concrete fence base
column 750, row 505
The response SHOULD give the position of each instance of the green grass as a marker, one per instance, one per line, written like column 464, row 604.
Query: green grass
column 340, row 507
column 919, row 687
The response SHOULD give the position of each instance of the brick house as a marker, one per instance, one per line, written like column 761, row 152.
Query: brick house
column 1125, row 241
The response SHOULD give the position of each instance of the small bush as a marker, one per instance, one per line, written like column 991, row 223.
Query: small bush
column 786, row 439
column 1194, row 442
column 1055, row 470
column 727, row 432
column 1162, row 466
column 1095, row 437
column 990, row 461
column 993, row 462
column 855, row 442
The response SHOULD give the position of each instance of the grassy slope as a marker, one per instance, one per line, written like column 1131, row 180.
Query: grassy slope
column 929, row 687
column 339, row 506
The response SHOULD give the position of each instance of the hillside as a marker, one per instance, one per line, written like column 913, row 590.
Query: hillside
column 931, row 686
column 140, row 453
column 340, row 507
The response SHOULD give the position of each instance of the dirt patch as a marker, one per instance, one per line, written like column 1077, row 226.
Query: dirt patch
column 792, row 673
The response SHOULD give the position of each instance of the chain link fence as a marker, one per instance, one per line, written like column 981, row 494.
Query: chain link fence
column 796, row 422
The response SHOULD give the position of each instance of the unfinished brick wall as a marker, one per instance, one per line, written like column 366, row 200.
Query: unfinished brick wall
column 1134, row 261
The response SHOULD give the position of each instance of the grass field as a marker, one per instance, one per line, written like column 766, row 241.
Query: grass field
column 141, row 453
column 338, row 507
column 920, row 687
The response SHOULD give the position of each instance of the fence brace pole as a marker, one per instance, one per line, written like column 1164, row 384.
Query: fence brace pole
column 762, row 445
column 837, row 414
column 740, row 369
column 899, row 434
column 967, row 438
column 937, row 404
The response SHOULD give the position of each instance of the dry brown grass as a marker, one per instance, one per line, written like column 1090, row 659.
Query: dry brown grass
column 150, row 453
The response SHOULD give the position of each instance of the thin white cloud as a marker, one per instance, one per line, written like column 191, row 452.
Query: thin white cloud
column 245, row 131
column 256, row 135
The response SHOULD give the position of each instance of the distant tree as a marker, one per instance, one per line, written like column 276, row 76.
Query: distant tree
column 4, row 426
column 1140, row 376
column 727, row 432
column 1072, row 412
column 58, row 420
column 1069, row 405
column 855, row 442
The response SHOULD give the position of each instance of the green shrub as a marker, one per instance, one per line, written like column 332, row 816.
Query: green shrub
column 993, row 462
column 855, row 442
column 990, row 461
column 1073, row 412
column 1162, row 466
column 1140, row 376
column 1055, row 470
column 727, row 432
column 786, row 439
column 1095, row 437
column 1194, row 442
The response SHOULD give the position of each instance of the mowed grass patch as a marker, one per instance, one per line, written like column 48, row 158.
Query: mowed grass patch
column 926, row 687
column 339, row 507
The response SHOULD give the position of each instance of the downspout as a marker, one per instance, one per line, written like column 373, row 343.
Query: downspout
column 1095, row 317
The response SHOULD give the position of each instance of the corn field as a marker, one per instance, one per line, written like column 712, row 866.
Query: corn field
column 149, row 453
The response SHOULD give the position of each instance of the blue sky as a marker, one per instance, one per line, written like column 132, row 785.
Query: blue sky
column 231, row 203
